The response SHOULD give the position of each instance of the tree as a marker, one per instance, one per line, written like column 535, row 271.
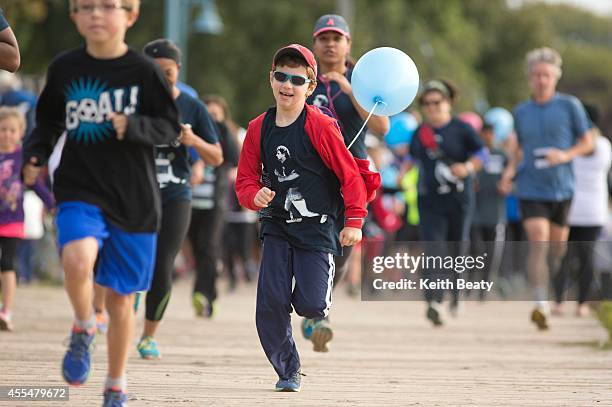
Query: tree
column 478, row 44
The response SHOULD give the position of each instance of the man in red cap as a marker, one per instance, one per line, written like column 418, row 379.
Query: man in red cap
column 296, row 171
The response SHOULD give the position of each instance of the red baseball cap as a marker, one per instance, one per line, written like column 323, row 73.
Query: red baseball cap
column 296, row 50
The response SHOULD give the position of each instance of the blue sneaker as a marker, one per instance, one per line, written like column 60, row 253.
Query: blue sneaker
column 147, row 347
column 114, row 398
column 77, row 361
column 308, row 325
column 292, row 384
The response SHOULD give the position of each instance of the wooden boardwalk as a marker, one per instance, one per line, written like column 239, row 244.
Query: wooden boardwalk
column 383, row 354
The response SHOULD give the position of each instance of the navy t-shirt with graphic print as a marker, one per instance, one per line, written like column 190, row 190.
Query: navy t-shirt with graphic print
column 117, row 176
column 174, row 162
column 329, row 95
column 307, row 202
column 457, row 142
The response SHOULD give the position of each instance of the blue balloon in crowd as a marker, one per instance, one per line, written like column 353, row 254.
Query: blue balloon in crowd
column 385, row 75
column 502, row 122
column 388, row 176
column 402, row 128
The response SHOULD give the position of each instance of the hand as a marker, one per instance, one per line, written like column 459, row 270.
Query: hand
column 459, row 170
column 504, row 186
column 345, row 85
column 197, row 173
column 120, row 123
column 263, row 197
column 555, row 156
column 187, row 137
column 350, row 236
column 31, row 171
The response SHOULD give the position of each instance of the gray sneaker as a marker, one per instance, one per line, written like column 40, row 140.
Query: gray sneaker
column 292, row 384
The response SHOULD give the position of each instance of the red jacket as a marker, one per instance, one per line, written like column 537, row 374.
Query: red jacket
column 327, row 140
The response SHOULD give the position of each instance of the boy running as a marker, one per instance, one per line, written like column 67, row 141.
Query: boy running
column 293, row 168
column 115, row 106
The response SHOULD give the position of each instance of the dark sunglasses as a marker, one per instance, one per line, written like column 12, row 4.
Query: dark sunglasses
column 431, row 102
column 296, row 80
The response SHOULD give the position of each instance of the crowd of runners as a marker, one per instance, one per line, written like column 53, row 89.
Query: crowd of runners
column 146, row 183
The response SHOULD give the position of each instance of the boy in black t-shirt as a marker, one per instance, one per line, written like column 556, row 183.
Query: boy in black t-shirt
column 198, row 136
column 114, row 106
column 292, row 168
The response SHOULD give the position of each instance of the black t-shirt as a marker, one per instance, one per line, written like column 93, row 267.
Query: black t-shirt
column 307, row 202
column 457, row 142
column 95, row 167
column 174, row 163
column 329, row 95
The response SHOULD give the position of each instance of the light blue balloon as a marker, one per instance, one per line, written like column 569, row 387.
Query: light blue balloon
column 388, row 176
column 401, row 130
column 385, row 75
column 502, row 122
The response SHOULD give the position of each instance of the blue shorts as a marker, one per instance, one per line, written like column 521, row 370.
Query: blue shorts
column 125, row 260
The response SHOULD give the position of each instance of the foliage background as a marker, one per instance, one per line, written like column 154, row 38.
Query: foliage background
column 479, row 44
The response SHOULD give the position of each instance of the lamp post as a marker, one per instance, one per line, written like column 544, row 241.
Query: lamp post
column 177, row 24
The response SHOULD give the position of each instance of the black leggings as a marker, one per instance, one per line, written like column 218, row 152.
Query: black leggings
column 8, row 250
column 490, row 240
column 238, row 241
column 205, row 234
column 447, row 231
column 174, row 225
column 579, row 253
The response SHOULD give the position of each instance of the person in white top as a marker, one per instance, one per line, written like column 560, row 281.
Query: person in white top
column 588, row 214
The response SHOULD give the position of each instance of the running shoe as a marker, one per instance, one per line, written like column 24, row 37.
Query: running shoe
column 308, row 325
column 539, row 318
column 583, row 311
column 199, row 303
column 292, row 384
column 353, row 290
column 114, row 398
column 101, row 322
column 5, row 322
column 321, row 335
column 433, row 314
column 77, row 361
column 147, row 347
column 203, row 307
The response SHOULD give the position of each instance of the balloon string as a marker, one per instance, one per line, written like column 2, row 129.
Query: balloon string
column 365, row 123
